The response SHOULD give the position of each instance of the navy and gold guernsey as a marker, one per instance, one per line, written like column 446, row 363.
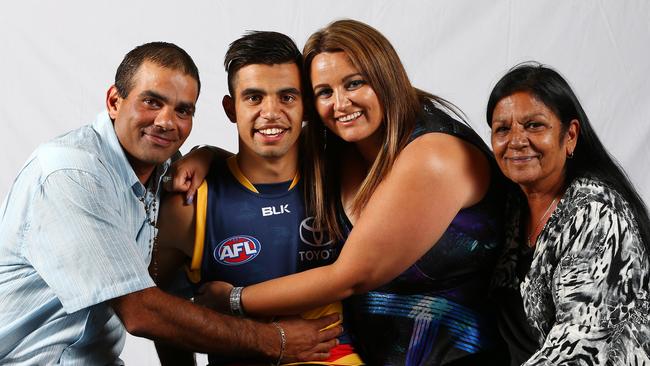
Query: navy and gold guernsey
column 246, row 234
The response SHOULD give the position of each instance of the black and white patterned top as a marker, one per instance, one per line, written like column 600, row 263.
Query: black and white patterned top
column 586, row 294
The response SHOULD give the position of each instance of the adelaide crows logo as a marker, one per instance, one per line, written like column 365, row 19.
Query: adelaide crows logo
column 309, row 235
column 237, row 250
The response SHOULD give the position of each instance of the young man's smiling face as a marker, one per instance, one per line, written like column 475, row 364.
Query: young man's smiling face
column 267, row 106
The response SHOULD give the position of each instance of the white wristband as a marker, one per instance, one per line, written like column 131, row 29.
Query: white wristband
column 235, row 301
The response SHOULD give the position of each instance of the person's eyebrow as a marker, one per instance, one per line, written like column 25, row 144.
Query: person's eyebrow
column 289, row 90
column 530, row 116
column 183, row 105
column 344, row 79
column 249, row 91
column 155, row 95
column 524, row 118
column 348, row 77
column 187, row 105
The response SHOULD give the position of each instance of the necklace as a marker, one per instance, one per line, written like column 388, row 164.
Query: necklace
column 548, row 209
column 151, row 210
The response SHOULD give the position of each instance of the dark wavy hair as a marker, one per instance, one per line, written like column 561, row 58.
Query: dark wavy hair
column 259, row 47
column 590, row 157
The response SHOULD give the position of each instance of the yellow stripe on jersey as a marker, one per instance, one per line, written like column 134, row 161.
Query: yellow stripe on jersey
column 295, row 180
column 334, row 308
column 241, row 178
column 201, row 199
column 349, row 360
column 352, row 359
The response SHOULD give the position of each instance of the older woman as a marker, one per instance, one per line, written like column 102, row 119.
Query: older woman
column 423, row 194
column 579, row 233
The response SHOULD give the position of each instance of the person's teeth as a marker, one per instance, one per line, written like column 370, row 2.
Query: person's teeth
column 270, row 131
column 350, row 117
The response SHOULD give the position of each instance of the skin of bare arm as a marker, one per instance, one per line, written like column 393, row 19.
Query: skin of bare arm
column 176, row 223
column 433, row 178
column 153, row 314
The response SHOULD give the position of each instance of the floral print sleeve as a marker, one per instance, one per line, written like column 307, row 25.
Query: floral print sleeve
column 586, row 293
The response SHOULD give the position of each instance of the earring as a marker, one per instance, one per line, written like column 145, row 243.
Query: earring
column 569, row 155
column 324, row 138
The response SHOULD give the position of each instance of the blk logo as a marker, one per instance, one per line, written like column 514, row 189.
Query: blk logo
column 237, row 250
column 309, row 235
column 272, row 210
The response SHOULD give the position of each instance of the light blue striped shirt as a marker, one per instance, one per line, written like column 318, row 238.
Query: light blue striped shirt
column 73, row 234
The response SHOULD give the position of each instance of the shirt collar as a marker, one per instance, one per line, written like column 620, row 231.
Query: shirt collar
column 112, row 147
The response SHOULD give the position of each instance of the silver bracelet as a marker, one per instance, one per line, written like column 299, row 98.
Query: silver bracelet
column 283, row 342
column 236, row 307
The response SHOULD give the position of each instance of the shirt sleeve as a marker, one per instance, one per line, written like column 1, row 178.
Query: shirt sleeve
column 600, row 292
column 78, row 241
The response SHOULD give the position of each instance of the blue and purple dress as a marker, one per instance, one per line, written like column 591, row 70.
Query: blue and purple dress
column 436, row 312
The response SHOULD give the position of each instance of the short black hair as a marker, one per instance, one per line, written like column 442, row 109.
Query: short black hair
column 163, row 54
column 260, row 47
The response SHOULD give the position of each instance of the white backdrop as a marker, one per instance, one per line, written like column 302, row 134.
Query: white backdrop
column 59, row 58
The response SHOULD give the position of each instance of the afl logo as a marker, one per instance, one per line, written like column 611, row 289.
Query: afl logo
column 309, row 235
column 237, row 250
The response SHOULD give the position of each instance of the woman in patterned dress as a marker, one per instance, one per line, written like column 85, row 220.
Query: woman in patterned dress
column 578, row 236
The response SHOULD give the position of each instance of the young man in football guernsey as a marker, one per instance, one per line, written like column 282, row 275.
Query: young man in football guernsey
column 248, row 223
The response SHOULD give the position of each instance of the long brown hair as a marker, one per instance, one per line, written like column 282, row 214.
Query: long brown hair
column 373, row 55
